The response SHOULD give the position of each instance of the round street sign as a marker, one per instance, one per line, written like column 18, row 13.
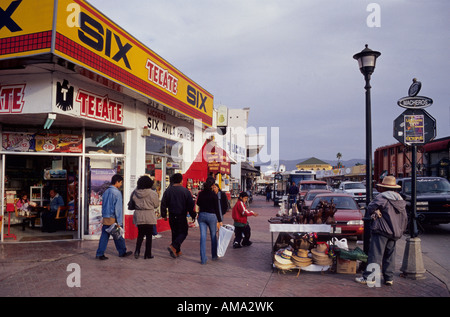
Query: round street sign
column 414, row 126
column 418, row 102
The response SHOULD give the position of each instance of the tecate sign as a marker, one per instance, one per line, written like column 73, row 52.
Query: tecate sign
column 418, row 102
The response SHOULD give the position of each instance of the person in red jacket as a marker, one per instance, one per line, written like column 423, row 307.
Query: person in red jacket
column 241, row 225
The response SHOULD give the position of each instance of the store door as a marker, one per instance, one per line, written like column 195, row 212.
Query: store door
column 42, row 197
column 98, row 174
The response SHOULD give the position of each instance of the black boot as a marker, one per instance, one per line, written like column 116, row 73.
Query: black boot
column 136, row 254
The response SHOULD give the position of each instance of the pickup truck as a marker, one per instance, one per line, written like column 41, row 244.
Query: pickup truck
column 356, row 189
column 433, row 198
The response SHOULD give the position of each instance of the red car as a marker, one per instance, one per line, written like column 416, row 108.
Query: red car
column 309, row 197
column 348, row 215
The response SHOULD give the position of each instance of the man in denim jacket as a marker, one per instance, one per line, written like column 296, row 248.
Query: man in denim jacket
column 112, row 212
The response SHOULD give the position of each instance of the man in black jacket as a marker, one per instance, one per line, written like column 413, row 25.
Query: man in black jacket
column 178, row 201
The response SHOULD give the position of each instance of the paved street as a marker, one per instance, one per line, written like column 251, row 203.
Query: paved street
column 42, row 269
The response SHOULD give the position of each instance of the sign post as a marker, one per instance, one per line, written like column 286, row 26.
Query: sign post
column 414, row 127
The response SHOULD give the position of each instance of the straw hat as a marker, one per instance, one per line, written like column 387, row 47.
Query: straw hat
column 319, row 256
column 284, row 266
column 302, row 253
column 284, row 257
column 389, row 182
column 320, row 250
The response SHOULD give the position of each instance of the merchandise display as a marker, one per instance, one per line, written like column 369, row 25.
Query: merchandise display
column 298, row 246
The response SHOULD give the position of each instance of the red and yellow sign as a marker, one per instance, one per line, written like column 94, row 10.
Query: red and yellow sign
column 84, row 36
column 25, row 27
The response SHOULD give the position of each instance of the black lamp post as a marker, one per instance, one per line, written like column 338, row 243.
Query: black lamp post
column 366, row 60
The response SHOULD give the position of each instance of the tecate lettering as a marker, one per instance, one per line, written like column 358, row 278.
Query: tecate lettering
column 162, row 77
column 100, row 108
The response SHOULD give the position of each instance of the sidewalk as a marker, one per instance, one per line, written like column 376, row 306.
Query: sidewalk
column 41, row 269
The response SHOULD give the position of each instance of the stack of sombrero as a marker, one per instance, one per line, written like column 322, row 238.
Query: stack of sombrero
column 319, row 255
column 301, row 258
column 283, row 260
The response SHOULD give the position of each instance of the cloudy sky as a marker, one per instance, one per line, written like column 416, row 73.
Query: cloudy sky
column 291, row 62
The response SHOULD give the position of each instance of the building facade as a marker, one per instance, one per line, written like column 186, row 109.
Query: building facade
column 82, row 100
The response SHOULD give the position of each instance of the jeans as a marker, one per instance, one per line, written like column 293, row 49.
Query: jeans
column 103, row 243
column 382, row 252
column 207, row 220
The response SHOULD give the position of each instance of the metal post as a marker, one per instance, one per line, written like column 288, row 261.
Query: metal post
column 366, row 217
column 412, row 219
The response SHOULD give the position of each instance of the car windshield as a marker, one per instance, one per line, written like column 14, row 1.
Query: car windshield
column 313, row 186
column 341, row 202
column 429, row 185
column 311, row 196
column 354, row 186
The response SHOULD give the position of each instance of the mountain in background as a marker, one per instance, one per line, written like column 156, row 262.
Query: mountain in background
column 291, row 164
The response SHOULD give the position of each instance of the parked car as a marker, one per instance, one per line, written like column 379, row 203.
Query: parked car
column 432, row 200
column 356, row 189
column 348, row 215
column 305, row 203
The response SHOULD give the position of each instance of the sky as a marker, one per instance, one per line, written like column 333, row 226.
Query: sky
column 291, row 62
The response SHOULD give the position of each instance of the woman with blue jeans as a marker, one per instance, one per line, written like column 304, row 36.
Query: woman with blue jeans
column 209, row 217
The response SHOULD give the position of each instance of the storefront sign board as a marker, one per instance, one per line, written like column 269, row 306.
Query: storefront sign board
column 76, row 31
column 89, row 39
column 25, row 27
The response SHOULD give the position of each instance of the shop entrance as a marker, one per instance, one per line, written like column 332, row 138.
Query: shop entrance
column 41, row 194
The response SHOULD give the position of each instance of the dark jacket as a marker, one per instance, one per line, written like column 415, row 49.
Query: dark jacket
column 207, row 201
column 293, row 190
column 178, row 200
column 393, row 219
column 223, row 202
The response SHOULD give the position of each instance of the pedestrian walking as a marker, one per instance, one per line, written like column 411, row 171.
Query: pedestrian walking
column 112, row 212
column 177, row 202
column 146, row 202
column 268, row 192
column 388, row 211
column 242, row 229
column 293, row 193
column 222, row 199
column 210, row 217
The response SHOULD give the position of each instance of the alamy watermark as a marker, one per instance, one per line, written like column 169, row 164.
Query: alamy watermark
column 374, row 18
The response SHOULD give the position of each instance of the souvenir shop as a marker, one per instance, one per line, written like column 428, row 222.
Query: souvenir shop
column 72, row 115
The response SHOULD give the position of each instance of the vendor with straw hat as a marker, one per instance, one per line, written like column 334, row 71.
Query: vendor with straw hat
column 388, row 211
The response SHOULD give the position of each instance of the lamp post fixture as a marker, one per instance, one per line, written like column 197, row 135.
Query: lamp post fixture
column 366, row 60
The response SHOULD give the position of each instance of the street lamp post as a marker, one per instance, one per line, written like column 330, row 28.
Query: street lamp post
column 366, row 60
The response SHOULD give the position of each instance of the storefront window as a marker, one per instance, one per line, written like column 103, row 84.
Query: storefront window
column 163, row 159
column 105, row 142
column 156, row 144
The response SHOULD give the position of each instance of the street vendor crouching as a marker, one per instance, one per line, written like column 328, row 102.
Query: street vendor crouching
column 242, row 228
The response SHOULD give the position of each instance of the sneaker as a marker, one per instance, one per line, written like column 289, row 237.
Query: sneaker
column 389, row 282
column 236, row 245
column 157, row 236
column 247, row 244
column 362, row 280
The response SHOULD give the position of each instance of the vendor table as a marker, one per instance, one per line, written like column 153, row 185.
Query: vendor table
column 301, row 228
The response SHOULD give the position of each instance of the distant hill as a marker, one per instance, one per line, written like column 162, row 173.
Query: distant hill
column 291, row 164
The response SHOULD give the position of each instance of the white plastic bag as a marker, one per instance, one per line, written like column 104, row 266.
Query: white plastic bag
column 115, row 231
column 225, row 234
column 341, row 244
